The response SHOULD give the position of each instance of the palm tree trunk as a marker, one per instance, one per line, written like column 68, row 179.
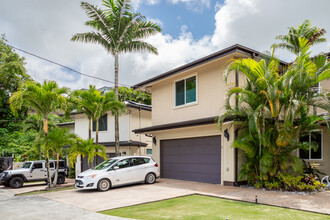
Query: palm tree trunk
column 49, row 183
column 39, row 152
column 89, row 128
column 97, row 139
column 57, row 165
column 116, row 115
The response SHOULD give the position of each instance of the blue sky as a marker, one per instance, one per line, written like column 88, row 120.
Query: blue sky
column 191, row 29
column 174, row 16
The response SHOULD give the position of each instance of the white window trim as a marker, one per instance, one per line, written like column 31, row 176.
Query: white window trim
column 190, row 103
column 310, row 150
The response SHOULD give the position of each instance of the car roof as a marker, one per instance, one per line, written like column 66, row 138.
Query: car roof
column 42, row 161
column 125, row 157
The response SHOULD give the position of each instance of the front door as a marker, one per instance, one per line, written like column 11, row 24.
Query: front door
column 123, row 174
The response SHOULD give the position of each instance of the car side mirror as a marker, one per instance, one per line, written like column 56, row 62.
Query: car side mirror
column 116, row 168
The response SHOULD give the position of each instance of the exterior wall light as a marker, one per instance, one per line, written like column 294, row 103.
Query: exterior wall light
column 226, row 134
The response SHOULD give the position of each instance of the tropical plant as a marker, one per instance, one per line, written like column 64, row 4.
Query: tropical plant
column 43, row 99
column 129, row 94
column 273, row 111
column 86, row 148
column 313, row 35
column 119, row 30
column 58, row 138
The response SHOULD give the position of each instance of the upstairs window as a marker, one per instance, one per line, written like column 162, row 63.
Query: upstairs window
column 103, row 123
column 310, row 154
column 185, row 91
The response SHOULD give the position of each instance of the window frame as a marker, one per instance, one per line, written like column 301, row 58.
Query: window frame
column 310, row 150
column 184, row 80
column 99, row 124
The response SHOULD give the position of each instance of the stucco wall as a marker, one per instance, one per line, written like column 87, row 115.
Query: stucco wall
column 211, row 92
column 227, row 153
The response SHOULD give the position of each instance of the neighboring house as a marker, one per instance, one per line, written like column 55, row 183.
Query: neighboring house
column 137, row 116
column 185, row 103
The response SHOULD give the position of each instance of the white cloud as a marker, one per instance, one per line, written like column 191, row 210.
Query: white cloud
column 45, row 27
column 138, row 3
column 194, row 5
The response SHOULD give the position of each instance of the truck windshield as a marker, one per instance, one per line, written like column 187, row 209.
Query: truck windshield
column 26, row 165
column 106, row 164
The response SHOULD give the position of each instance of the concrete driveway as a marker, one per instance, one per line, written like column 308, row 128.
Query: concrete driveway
column 116, row 197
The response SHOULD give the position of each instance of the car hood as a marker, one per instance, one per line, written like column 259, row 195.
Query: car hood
column 21, row 170
column 91, row 172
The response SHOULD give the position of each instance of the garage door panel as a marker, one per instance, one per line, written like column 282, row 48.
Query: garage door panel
column 195, row 159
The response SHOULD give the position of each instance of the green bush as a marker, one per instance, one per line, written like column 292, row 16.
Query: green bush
column 289, row 182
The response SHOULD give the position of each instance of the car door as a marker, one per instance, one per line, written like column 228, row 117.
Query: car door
column 37, row 171
column 138, row 170
column 123, row 174
column 51, row 168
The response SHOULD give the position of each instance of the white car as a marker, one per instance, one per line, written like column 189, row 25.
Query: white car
column 119, row 171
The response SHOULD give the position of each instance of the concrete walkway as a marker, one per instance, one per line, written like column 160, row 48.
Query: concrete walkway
column 317, row 202
column 35, row 207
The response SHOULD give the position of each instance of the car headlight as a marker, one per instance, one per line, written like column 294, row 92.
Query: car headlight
column 89, row 177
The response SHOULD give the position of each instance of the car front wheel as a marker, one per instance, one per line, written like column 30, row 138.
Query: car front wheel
column 150, row 178
column 16, row 182
column 103, row 185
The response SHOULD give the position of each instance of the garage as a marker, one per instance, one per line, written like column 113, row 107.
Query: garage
column 193, row 159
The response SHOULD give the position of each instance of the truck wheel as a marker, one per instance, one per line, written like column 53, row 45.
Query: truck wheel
column 16, row 182
column 60, row 179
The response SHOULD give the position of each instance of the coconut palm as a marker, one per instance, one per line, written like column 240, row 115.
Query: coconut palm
column 291, row 41
column 86, row 148
column 43, row 99
column 58, row 138
column 119, row 30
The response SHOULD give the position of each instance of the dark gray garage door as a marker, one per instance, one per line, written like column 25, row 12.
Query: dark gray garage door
column 195, row 159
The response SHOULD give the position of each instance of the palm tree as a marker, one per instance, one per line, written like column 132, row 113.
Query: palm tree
column 34, row 123
column 86, row 148
column 118, row 30
column 102, row 104
column 43, row 99
column 57, row 139
column 273, row 111
column 305, row 30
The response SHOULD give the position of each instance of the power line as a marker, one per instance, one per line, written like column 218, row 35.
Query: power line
column 66, row 67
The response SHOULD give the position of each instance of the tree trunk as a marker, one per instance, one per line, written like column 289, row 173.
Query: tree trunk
column 39, row 151
column 97, row 140
column 116, row 115
column 49, row 182
column 89, row 128
column 57, row 165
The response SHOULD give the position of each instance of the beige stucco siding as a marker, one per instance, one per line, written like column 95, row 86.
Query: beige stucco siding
column 325, row 162
column 227, row 152
column 211, row 93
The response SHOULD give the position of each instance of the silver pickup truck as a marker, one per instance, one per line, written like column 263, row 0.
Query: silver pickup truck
column 32, row 171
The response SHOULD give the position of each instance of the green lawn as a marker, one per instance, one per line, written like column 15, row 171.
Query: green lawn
column 46, row 191
column 205, row 207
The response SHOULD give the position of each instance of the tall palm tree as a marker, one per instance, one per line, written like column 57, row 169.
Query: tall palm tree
column 119, row 30
column 43, row 99
column 86, row 148
column 314, row 35
column 57, row 139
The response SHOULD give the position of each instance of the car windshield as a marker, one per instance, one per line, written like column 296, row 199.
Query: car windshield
column 106, row 164
column 26, row 165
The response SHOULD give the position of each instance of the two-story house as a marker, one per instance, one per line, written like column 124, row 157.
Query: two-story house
column 137, row 116
column 185, row 103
